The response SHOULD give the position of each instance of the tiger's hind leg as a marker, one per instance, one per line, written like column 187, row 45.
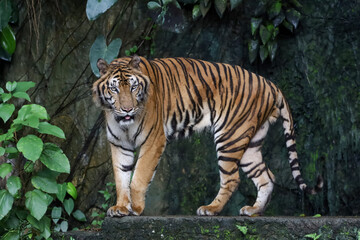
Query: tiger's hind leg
column 230, row 148
column 254, row 167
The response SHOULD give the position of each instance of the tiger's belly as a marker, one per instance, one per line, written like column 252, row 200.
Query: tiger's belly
column 183, row 124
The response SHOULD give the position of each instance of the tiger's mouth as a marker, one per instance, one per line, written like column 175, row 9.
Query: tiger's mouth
column 125, row 119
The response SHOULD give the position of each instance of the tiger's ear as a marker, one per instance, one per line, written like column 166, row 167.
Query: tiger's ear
column 134, row 62
column 102, row 66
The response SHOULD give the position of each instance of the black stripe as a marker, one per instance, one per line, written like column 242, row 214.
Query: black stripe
column 293, row 162
column 245, row 164
column 299, row 180
column 257, row 173
column 228, row 173
column 227, row 159
column 127, row 168
column 292, row 148
column 289, row 137
column 112, row 134
column 119, row 146
column 295, row 168
column 249, row 171
column 255, row 144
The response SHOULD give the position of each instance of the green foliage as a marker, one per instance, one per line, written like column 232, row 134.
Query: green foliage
column 131, row 51
column 99, row 49
column 313, row 236
column 28, row 157
column 242, row 229
column 94, row 8
column 99, row 215
column 270, row 16
column 7, row 36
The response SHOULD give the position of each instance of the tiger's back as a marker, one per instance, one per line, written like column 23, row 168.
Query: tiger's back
column 170, row 98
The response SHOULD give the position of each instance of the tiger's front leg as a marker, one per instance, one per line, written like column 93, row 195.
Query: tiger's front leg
column 149, row 156
column 123, row 162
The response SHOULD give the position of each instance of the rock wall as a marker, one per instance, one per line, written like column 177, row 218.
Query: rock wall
column 317, row 68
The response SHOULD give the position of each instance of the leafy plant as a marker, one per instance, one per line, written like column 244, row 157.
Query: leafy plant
column 100, row 215
column 200, row 7
column 31, row 170
column 131, row 51
column 242, row 229
column 313, row 236
column 7, row 36
column 270, row 16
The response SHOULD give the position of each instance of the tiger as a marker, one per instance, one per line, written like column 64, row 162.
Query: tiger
column 149, row 102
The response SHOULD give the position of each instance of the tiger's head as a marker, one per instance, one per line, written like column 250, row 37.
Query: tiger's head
column 122, row 88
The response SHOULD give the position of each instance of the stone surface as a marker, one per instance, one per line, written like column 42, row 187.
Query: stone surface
column 226, row 228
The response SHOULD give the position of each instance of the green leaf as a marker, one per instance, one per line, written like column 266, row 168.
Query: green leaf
column 69, row 205
column 56, row 214
column 287, row 25
column 61, row 191
column 43, row 225
column 253, row 50
column 274, row 10
column 100, row 50
column 2, row 151
column 6, row 10
column 47, row 128
column 7, row 40
column 220, row 7
column 64, row 226
column 10, row 86
column 293, row 17
column 37, row 202
column 234, row 3
column 272, row 47
column 205, row 7
column 79, row 215
column 153, row 5
column 243, row 229
column 11, row 235
column 13, row 185
column 54, row 158
column 45, row 184
column 22, row 95
column 11, row 150
column 32, row 110
column 6, row 110
column 5, row 169
column 255, row 23
column 264, row 34
column 6, row 202
column 70, row 189
column 94, row 8
column 6, row 97
column 279, row 19
column 7, row 136
column 29, row 166
column 263, row 53
column 196, row 13
column 24, row 86
column 31, row 146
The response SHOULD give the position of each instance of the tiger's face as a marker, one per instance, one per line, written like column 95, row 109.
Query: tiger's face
column 122, row 89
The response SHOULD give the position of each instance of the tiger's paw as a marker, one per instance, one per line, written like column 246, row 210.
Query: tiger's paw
column 136, row 210
column 117, row 211
column 207, row 211
column 250, row 211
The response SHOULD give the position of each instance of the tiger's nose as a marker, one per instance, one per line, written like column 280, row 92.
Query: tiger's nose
column 125, row 109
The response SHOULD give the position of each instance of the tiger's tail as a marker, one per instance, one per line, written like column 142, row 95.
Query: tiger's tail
column 291, row 146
